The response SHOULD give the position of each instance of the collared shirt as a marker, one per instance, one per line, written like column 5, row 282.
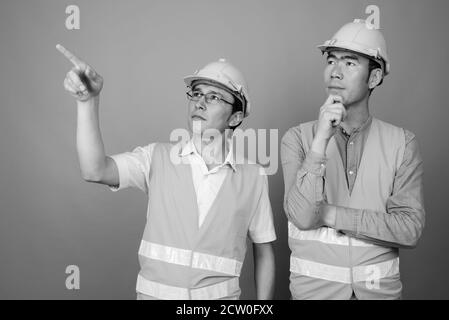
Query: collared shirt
column 207, row 183
column 351, row 147
column 134, row 172
column 401, row 224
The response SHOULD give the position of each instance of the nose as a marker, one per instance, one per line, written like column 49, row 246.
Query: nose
column 336, row 72
column 201, row 104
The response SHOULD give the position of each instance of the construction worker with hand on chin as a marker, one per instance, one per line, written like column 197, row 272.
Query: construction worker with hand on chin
column 353, row 183
column 202, row 204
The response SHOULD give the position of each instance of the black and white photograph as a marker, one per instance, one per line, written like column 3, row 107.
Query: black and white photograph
column 224, row 150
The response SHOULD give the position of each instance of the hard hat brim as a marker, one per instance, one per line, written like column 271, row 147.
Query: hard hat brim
column 341, row 45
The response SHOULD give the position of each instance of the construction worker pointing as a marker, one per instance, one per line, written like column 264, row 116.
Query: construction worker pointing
column 200, row 210
column 353, row 183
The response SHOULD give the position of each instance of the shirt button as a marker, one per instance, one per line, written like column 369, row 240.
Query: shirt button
column 351, row 143
column 351, row 172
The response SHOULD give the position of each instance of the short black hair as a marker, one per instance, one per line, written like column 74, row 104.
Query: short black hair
column 237, row 105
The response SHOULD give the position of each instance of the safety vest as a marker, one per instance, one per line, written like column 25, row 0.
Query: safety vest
column 180, row 260
column 326, row 264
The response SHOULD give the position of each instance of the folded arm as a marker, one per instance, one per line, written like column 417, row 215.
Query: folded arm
column 400, row 225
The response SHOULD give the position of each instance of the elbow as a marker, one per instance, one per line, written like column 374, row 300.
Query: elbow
column 412, row 244
column 91, row 176
column 304, row 218
column 93, row 171
column 412, row 241
column 304, row 225
column 413, row 237
column 409, row 244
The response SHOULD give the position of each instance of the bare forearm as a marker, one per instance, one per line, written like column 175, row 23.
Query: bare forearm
column 264, row 271
column 84, row 84
column 89, row 142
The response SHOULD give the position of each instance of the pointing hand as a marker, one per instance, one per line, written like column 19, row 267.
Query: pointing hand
column 82, row 81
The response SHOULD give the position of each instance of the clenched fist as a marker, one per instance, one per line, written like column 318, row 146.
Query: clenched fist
column 332, row 113
column 82, row 82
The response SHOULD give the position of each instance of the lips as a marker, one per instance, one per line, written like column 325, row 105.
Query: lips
column 198, row 117
column 335, row 85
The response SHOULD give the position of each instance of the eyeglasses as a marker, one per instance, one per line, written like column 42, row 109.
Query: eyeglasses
column 211, row 98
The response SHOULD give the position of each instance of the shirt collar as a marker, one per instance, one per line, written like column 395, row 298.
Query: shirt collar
column 363, row 127
column 189, row 148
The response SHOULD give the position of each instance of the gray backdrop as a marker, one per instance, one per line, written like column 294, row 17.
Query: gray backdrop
column 50, row 218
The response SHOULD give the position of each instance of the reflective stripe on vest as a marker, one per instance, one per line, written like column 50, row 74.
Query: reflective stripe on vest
column 161, row 291
column 325, row 235
column 189, row 258
column 341, row 274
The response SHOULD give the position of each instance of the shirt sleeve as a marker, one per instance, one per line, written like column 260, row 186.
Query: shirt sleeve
column 303, row 181
column 402, row 224
column 261, row 229
column 134, row 168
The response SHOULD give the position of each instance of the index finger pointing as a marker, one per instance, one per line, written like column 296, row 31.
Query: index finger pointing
column 73, row 59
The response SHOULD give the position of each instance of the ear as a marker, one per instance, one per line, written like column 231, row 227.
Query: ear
column 235, row 119
column 375, row 78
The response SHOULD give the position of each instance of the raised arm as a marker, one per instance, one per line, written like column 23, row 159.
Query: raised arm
column 304, row 173
column 85, row 84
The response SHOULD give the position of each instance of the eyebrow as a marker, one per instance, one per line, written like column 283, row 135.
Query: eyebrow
column 346, row 57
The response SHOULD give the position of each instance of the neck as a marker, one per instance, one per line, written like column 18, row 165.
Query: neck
column 356, row 115
column 213, row 150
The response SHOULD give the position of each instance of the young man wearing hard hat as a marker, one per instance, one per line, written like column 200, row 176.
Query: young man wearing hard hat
column 200, row 209
column 353, row 183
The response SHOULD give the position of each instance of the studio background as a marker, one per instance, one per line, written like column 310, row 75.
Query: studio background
column 50, row 218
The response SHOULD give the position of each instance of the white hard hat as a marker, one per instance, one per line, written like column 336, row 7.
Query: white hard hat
column 360, row 37
column 224, row 73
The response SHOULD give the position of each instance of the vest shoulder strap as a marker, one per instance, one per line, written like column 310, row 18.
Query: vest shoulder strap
column 392, row 137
